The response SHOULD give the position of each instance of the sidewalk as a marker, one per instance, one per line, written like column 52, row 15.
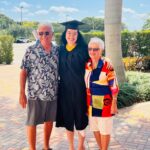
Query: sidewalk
column 131, row 125
column 131, row 129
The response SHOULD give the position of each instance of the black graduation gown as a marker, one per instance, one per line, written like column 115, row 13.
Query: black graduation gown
column 72, row 108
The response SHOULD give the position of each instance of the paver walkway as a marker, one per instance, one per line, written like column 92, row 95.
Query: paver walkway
column 131, row 125
column 131, row 130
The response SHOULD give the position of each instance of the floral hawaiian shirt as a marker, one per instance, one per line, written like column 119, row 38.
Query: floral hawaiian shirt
column 42, row 72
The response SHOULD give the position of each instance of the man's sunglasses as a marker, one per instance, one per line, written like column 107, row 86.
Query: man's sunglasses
column 94, row 49
column 44, row 33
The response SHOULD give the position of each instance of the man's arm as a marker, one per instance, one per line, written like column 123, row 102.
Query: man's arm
column 22, row 97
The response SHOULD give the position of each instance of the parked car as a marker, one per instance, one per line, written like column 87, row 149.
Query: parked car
column 22, row 40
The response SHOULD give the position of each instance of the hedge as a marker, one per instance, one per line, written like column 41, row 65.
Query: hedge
column 132, row 42
column 6, row 49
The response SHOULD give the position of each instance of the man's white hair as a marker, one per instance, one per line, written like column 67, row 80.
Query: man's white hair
column 47, row 24
column 98, row 41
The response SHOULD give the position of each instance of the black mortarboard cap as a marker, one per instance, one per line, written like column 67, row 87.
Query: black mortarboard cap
column 73, row 24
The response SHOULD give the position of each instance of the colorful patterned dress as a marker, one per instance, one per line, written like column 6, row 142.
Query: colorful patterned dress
column 101, row 84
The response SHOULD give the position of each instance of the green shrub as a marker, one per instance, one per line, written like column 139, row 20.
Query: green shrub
column 1, row 54
column 142, row 83
column 128, row 95
column 137, row 89
column 137, row 63
column 6, row 49
column 144, row 91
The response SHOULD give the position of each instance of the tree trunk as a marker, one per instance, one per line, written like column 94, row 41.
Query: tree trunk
column 113, row 14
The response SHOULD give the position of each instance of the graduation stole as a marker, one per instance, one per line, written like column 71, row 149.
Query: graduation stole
column 70, row 48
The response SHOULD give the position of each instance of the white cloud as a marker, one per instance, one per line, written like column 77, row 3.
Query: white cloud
column 142, row 15
column 24, row 4
column 68, row 18
column 124, row 19
column 134, row 13
column 129, row 10
column 18, row 9
column 41, row 12
column 62, row 9
column 101, row 11
column 30, row 14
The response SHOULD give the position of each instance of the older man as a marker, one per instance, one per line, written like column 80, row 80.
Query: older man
column 40, row 67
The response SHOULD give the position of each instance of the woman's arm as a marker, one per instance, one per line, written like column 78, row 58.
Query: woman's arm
column 113, row 84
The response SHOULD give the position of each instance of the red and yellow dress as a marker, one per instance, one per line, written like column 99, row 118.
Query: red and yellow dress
column 101, row 85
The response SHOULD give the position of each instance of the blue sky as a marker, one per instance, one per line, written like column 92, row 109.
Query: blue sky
column 134, row 11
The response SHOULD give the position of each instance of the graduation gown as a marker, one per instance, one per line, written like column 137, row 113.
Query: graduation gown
column 72, row 108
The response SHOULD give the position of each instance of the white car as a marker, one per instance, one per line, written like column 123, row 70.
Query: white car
column 22, row 40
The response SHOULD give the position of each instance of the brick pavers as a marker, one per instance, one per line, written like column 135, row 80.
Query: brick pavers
column 130, row 132
column 131, row 125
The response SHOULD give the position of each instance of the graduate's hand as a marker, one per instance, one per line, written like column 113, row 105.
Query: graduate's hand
column 109, row 65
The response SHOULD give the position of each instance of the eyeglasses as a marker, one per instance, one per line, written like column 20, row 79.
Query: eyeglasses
column 94, row 49
column 44, row 33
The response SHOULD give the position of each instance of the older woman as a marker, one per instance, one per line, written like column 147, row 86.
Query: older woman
column 102, row 90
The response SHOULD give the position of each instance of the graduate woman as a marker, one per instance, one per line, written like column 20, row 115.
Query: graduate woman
column 72, row 109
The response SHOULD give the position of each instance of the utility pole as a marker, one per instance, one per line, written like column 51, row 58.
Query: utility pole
column 21, row 7
column 93, row 24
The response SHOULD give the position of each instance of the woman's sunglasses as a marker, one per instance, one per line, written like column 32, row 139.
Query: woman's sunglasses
column 94, row 49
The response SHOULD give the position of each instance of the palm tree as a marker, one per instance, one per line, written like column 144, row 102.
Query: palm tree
column 113, row 15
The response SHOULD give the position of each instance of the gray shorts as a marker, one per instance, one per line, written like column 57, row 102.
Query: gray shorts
column 39, row 112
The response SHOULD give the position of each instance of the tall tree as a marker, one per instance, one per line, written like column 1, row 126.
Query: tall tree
column 58, row 28
column 92, row 23
column 30, row 24
column 113, row 15
column 146, row 25
column 5, row 22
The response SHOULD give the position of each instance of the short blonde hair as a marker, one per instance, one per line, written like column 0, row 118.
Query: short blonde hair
column 98, row 41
